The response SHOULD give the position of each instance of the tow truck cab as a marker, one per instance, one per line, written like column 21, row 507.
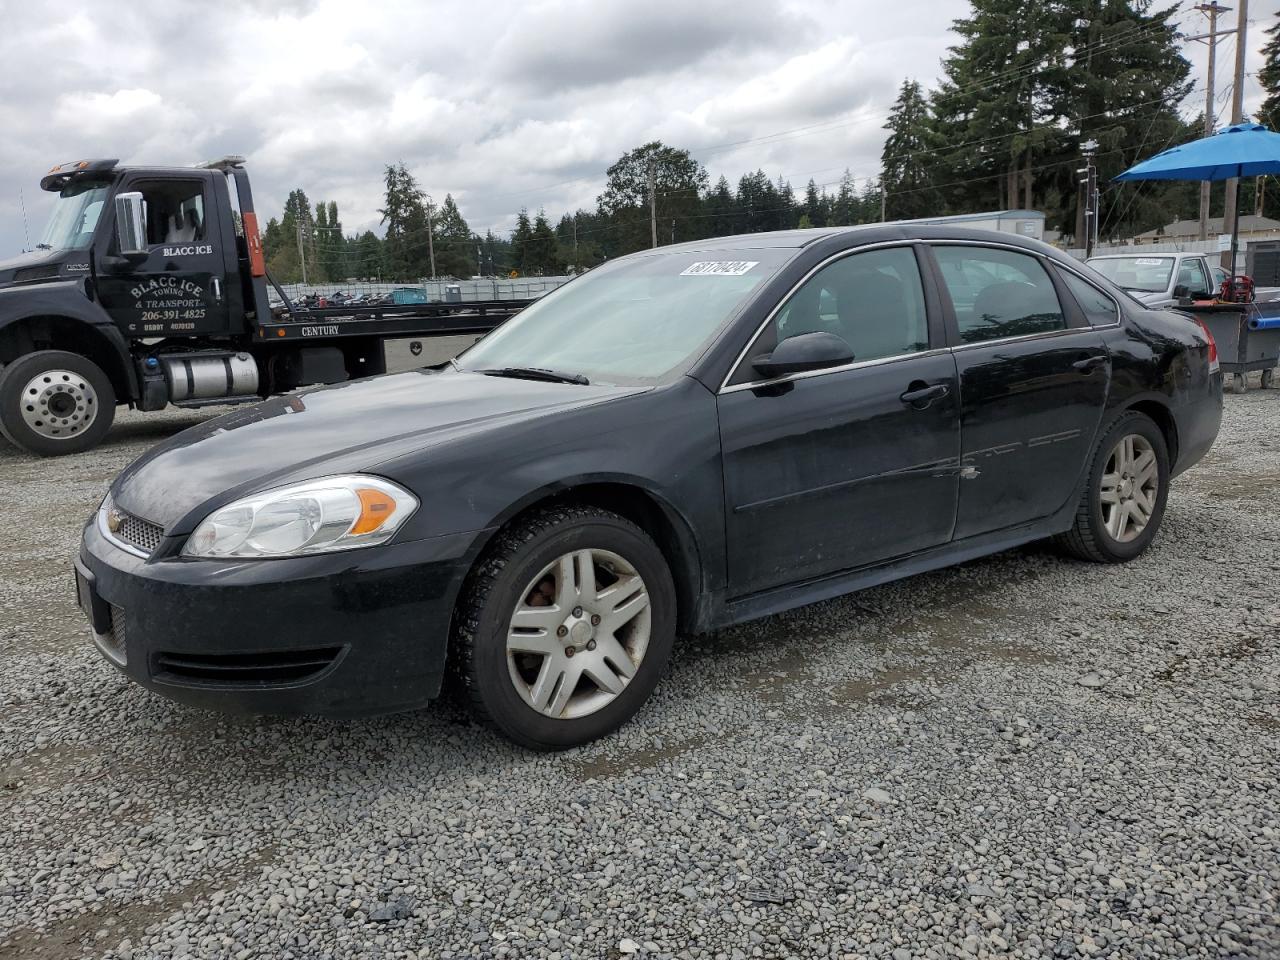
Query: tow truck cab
column 148, row 288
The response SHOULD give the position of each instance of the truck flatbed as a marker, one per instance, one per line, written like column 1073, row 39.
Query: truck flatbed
column 427, row 320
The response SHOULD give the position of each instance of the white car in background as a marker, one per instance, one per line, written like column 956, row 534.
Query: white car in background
column 1162, row 279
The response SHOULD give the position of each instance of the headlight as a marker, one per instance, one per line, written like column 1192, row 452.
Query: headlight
column 317, row 516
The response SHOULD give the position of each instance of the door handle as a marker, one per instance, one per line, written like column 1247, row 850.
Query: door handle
column 1089, row 364
column 216, row 284
column 921, row 393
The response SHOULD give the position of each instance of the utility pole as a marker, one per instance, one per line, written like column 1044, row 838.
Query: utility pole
column 431, row 245
column 1211, row 10
column 1230, row 218
column 575, row 239
column 1090, row 182
column 883, row 197
column 653, row 207
column 302, row 256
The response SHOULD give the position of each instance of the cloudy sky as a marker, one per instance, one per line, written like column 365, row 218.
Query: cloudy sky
column 505, row 105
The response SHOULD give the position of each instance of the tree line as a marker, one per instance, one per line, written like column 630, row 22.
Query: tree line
column 1029, row 85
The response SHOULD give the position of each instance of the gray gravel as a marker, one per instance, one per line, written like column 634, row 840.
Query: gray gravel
column 1024, row 756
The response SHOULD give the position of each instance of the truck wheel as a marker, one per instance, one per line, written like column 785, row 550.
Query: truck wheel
column 53, row 402
column 1125, row 494
column 564, row 627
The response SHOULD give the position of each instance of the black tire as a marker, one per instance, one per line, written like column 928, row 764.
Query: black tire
column 72, row 436
column 478, row 651
column 1088, row 538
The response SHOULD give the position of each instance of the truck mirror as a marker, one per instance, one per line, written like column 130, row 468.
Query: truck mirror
column 1181, row 292
column 131, row 225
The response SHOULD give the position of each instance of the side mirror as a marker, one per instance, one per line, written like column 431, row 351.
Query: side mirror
column 804, row 352
column 131, row 226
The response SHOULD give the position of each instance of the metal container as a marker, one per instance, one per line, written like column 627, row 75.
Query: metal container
column 1241, row 349
column 209, row 376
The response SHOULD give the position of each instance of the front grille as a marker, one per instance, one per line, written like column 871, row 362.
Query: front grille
column 136, row 532
column 244, row 669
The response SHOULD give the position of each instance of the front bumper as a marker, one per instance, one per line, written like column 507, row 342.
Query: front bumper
column 344, row 634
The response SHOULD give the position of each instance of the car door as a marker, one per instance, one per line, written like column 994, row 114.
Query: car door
column 840, row 468
column 1192, row 275
column 178, row 288
column 1033, row 381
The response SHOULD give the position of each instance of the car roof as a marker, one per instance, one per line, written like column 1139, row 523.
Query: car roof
column 1153, row 253
column 867, row 232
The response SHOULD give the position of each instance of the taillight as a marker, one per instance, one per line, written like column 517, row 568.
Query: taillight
column 1213, row 347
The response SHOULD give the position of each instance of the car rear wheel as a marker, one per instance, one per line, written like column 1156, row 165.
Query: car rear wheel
column 54, row 402
column 1124, row 498
column 564, row 627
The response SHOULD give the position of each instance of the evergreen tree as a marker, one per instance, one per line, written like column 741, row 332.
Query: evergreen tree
column 787, row 212
column 907, row 161
column 455, row 251
column 544, row 251
column 365, row 257
column 844, row 208
column 1269, row 112
column 721, row 212
column 523, row 257
column 814, row 208
column 282, row 240
column 1125, row 76
column 994, row 101
column 405, row 214
column 1269, row 78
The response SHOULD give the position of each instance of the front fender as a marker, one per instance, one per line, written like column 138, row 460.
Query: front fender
column 61, row 315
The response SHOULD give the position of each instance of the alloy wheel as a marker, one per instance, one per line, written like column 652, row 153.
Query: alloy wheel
column 1129, row 488
column 578, row 633
column 58, row 404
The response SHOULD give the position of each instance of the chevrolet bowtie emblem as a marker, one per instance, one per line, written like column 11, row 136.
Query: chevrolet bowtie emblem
column 115, row 520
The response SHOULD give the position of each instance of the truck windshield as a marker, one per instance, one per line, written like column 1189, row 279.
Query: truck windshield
column 1147, row 274
column 75, row 215
column 639, row 320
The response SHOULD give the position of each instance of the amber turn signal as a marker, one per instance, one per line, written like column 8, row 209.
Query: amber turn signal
column 375, row 508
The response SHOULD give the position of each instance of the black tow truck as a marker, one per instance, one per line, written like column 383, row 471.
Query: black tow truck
column 150, row 288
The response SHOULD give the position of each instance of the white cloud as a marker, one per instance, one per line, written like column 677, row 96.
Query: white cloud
column 504, row 104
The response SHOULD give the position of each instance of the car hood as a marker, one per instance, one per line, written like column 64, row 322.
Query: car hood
column 344, row 428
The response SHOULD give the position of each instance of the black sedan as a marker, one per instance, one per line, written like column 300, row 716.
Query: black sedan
column 679, row 440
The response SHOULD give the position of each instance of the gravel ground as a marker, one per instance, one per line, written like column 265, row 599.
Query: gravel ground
column 1023, row 756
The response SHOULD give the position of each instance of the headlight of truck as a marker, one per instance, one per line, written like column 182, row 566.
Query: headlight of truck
column 316, row 516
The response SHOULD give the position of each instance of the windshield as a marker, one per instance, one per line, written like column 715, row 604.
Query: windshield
column 1148, row 274
column 638, row 320
column 75, row 215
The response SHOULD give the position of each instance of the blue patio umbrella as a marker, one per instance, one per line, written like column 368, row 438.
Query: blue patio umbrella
column 1240, row 150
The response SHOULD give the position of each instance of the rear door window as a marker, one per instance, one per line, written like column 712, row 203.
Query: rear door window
column 998, row 294
column 1098, row 308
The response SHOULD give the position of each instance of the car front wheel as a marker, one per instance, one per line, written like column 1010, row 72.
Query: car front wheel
column 1125, row 496
column 564, row 627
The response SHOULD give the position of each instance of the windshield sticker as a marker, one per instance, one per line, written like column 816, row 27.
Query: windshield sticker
column 1150, row 261
column 718, row 268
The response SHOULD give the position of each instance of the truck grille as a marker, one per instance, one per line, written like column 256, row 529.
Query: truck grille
column 136, row 532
